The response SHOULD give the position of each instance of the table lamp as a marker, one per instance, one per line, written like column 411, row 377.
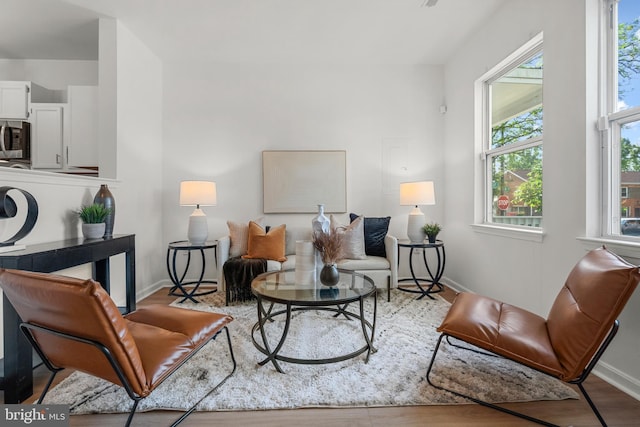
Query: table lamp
column 198, row 193
column 415, row 194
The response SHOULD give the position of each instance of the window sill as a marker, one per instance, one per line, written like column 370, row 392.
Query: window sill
column 529, row 234
column 624, row 248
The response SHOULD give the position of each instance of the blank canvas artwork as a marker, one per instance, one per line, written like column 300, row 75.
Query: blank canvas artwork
column 298, row 181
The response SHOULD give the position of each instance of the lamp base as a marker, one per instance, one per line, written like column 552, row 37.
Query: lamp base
column 414, row 226
column 198, row 229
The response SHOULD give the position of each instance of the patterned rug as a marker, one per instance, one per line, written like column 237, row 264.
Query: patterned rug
column 395, row 375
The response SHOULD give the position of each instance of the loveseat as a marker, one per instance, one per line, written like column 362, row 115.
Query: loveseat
column 380, row 263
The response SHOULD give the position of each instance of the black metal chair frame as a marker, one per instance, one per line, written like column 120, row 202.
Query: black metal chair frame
column 578, row 381
column 27, row 329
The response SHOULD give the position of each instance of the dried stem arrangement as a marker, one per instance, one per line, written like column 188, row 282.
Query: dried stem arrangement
column 329, row 245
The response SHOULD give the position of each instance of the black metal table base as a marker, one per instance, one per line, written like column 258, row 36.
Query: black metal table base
column 273, row 356
column 425, row 286
column 179, row 288
column 183, row 291
column 424, row 289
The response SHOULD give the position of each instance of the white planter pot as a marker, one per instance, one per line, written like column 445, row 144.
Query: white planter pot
column 93, row 231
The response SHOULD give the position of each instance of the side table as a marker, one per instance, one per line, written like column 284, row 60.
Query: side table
column 178, row 289
column 433, row 284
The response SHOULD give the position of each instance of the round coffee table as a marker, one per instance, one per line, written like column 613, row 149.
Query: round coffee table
column 280, row 287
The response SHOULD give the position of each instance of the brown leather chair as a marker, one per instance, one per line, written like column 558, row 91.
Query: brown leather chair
column 568, row 344
column 73, row 323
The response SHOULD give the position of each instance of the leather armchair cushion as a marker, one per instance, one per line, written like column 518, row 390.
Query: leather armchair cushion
column 503, row 329
column 165, row 336
column 593, row 296
column 160, row 350
column 197, row 325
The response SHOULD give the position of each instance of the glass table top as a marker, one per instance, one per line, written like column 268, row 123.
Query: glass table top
column 287, row 287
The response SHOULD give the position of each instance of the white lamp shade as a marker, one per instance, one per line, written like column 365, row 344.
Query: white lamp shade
column 417, row 193
column 198, row 193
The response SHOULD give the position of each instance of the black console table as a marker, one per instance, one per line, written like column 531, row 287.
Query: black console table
column 17, row 381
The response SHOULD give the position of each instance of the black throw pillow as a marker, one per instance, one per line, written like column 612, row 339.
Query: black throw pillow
column 375, row 230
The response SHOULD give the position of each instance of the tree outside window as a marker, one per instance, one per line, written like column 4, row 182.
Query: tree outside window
column 514, row 152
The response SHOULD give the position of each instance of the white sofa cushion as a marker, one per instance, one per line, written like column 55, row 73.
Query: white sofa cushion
column 369, row 263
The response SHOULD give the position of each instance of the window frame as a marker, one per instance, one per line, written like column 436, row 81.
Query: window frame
column 610, row 125
column 485, row 154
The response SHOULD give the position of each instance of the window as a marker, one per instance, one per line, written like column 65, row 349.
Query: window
column 512, row 137
column 620, row 123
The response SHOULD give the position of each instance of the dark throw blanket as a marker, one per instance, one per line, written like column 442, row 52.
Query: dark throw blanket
column 238, row 274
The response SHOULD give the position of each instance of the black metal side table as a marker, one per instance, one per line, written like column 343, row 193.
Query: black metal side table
column 431, row 284
column 178, row 289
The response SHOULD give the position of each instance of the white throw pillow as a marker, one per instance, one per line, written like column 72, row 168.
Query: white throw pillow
column 353, row 243
column 239, row 235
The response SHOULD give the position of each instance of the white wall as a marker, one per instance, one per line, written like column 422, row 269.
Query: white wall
column 521, row 272
column 139, row 154
column 220, row 117
column 52, row 74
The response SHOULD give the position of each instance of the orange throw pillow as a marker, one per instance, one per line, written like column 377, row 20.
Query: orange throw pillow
column 264, row 245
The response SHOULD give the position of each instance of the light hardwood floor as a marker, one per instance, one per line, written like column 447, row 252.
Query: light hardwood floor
column 618, row 408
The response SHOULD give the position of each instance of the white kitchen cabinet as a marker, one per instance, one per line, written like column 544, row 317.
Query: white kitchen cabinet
column 83, row 126
column 47, row 135
column 14, row 100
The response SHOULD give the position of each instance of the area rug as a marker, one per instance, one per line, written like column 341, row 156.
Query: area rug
column 405, row 336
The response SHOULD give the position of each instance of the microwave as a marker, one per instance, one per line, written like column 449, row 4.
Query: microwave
column 15, row 143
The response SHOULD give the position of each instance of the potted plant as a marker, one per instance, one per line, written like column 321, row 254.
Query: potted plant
column 329, row 244
column 93, row 220
column 431, row 230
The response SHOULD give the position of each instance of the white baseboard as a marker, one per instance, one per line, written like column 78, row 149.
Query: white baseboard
column 148, row 290
column 618, row 379
column 455, row 286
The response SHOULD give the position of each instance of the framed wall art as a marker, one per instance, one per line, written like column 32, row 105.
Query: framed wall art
column 298, row 181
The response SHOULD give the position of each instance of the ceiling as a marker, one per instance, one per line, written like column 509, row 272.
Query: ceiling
column 261, row 31
column 46, row 29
